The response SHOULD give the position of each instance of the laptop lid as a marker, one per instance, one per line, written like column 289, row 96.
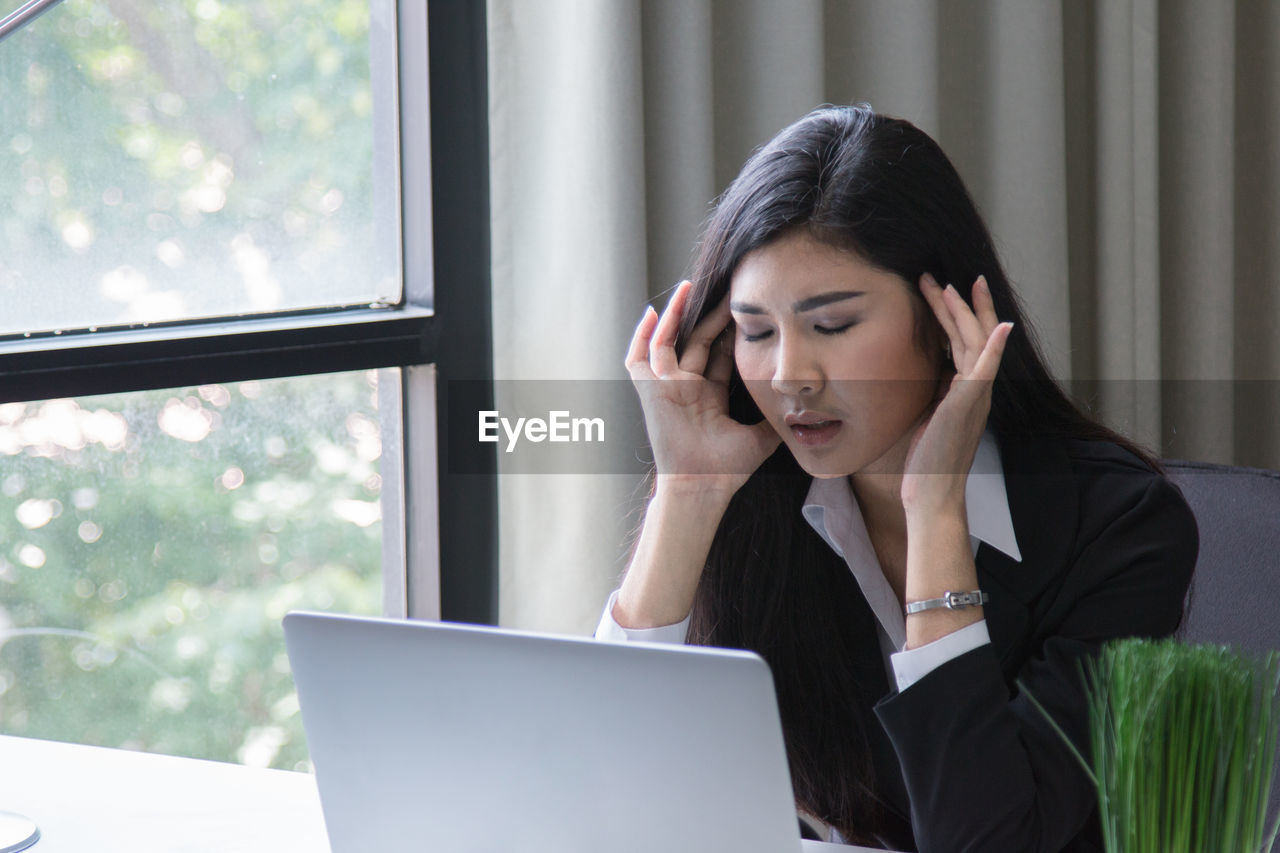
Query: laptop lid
column 436, row 736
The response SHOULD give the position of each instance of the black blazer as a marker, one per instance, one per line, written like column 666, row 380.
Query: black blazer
column 963, row 761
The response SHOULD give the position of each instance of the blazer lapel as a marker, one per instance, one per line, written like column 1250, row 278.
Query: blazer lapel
column 1043, row 507
column 1043, row 504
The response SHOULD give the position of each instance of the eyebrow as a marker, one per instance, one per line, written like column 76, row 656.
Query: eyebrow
column 803, row 305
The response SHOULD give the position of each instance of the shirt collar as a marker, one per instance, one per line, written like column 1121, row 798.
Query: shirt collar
column 831, row 509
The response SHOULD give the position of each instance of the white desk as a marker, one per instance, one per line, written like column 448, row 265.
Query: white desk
column 86, row 798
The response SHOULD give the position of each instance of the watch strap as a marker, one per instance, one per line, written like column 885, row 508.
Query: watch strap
column 950, row 600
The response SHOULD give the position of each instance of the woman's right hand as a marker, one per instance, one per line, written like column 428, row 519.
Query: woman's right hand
column 696, row 444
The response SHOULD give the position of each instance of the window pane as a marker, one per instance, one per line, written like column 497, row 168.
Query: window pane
column 150, row 544
column 196, row 158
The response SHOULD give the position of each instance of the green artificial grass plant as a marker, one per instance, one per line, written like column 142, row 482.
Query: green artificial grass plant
column 1183, row 745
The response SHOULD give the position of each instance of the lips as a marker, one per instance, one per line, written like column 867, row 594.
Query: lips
column 813, row 429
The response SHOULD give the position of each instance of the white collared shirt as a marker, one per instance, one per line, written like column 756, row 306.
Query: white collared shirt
column 831, row 509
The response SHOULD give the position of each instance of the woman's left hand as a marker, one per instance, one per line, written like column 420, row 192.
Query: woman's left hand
column 944, row 443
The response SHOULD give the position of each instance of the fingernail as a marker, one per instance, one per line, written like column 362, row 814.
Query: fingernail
column 929, row 280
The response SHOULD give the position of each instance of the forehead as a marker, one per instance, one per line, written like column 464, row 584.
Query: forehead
column 797, row 266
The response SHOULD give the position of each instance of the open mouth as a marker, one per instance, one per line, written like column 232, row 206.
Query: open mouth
column 816, row 433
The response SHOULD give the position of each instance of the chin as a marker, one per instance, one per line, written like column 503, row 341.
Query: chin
column 817, row 468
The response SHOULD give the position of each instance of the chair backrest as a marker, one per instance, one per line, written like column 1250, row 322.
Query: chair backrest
column 1235, row 593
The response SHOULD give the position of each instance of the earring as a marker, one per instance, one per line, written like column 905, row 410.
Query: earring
column 947, row 349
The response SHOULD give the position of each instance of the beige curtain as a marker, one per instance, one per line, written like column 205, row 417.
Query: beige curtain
column 1125, row 153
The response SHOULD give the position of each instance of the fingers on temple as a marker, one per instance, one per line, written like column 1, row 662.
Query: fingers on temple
column 705, row 334
column 988, row 362
column 972, row 335
column 933, row 294
column 983, row 305
column 662, row 346
column 637, row 361
column 720, row 367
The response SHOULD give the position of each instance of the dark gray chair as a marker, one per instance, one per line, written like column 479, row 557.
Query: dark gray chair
column 1235, row 593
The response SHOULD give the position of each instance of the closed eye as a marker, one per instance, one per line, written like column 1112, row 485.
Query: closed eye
column 750, row 338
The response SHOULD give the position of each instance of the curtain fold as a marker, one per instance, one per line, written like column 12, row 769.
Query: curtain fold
column 1124, row 153
column 679, row 135
column 1197, row 132
column 1257, row 224
column 569, row 265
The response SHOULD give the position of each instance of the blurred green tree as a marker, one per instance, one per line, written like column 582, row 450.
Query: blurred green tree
column 192, row 158
column 164, row 161
column 150, row 544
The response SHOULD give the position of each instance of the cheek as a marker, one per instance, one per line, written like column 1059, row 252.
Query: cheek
column 757, row 376
column 894, row 354
column 752, row 365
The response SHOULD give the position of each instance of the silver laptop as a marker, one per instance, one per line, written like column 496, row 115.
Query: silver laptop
column 443, row 737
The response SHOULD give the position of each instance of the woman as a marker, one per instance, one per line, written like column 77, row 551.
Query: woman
column 849, row 416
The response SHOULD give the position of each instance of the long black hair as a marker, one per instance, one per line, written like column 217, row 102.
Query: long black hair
column 881, row 188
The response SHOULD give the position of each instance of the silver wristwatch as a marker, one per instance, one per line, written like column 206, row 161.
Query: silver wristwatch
column 951, row 601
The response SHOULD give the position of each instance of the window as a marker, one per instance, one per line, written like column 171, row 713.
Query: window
column 152, row 542
column 229, row 340
column 182, row 160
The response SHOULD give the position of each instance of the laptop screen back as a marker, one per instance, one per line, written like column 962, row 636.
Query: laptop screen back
column 429, row 736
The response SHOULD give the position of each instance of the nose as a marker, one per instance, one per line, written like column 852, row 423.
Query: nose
column 797, row 371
